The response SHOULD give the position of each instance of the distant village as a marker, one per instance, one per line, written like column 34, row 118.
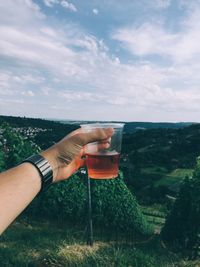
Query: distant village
column 29, row 132
column 26, row 132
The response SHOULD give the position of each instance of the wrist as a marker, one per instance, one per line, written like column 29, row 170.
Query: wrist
column 44, row 169
column 34, row 180
column 51, row 155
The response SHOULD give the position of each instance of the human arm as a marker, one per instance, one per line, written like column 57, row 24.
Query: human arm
column 19, row 185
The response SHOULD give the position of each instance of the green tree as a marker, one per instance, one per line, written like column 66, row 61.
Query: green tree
column 114, row 206
column 182, row 226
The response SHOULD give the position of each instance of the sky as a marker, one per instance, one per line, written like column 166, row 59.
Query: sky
column 100, row 60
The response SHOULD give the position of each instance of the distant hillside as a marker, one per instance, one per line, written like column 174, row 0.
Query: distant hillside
column 155, row 156
column 131, row 127
column 43, row 132
column 171, row 145
column 167, row 147
column 155, row 161
column 26, row 122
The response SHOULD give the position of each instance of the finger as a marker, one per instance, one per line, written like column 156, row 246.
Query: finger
column 96, row 135
column 101, row 145
column 95, row 149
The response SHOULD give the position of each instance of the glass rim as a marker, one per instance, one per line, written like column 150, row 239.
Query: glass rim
column 103, row 125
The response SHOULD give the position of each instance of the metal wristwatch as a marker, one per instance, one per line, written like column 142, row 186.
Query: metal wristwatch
column 44, row 169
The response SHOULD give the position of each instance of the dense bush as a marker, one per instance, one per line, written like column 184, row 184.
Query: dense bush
column 64, row 201
column 114, row 207
column 182, row 226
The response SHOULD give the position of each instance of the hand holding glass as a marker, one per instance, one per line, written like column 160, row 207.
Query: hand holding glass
column 102, row 160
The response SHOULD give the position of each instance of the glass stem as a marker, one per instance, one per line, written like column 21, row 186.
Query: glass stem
column 90, row 226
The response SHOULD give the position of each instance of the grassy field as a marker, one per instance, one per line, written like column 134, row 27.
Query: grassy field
column 48, row 244
column 155, row 170
column 173, row 177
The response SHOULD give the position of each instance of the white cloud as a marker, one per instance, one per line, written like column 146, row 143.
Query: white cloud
column 147, row 39
column 46, row 90
column 49, row 31
column 50, row 3
column 12, row 101
column 30, row 4
column 77, row 96
column 75, row 71
column 28, row 93
column 16, row 85
column 68, row 5
column 20, row 13
column 95, row 11
column 63, row 3
column 154, row 39
column 4, row 81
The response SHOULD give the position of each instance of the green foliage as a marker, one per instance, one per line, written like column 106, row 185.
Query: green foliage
column 65, row 201
column 114, row 206
column 169, row 148
column 16, row 147
column 176, row 226
column 182, row 226
column 147, row 155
